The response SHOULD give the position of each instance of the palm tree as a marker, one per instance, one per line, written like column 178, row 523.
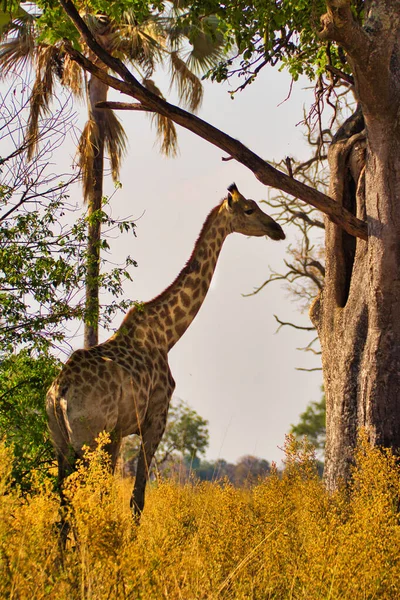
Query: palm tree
column 146, row 45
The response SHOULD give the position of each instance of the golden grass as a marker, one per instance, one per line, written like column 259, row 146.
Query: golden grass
column 284, row 538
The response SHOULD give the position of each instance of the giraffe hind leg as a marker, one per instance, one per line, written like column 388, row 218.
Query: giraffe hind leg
column 66, row 459
column 151, row 438
column 113, row 449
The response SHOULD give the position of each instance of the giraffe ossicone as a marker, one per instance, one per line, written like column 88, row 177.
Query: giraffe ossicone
column 124, row 385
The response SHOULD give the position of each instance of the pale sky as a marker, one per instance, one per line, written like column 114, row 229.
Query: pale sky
column 230, row 366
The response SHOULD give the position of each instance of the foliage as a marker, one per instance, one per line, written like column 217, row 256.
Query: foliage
column 55, row 25
column 312, row 424
column 261, row 32
column 42, row 271
column 42, row 242
column 287, row 537
column 24, row 381
column 270, row 33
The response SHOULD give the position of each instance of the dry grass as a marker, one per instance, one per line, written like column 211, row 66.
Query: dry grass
column 284, row 538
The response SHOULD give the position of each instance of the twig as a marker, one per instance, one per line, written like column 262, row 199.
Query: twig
column 301, row 327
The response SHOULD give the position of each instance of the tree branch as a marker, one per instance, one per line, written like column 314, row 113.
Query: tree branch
column 339, row 25
column 264, row 172
column 341, row 74
column 283, row 323
column 123, row 106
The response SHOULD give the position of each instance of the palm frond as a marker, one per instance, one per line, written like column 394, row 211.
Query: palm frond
column 189, row 85
column 207, row 46
column 47, row 64
column 98, row 24
column 206, row 41
column 85, row 155
column 115, row 139
column 17, row 46
column 166, row 131
column 142, row 44
column 72, row 76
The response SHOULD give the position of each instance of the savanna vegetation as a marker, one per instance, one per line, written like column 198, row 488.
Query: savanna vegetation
column 285, row 537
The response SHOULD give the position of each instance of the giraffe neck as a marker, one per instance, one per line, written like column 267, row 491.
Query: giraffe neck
column 176, row 307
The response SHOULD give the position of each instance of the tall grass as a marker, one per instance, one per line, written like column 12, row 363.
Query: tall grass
column 284, row 538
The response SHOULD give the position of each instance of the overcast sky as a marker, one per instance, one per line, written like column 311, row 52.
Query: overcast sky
column 230, row 366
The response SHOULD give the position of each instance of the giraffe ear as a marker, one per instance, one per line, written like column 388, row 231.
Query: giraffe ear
column 230, row 200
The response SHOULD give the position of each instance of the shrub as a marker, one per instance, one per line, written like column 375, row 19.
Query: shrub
column 286, row 537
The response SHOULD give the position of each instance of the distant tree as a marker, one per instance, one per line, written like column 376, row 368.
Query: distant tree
column 215, row 470
column 249, row 469
column 24, row 380
column 312, row 424
column 186, row 433
column 185, row 438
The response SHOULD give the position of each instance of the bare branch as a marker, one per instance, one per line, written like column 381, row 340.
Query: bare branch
column 345, row 76
column 306, row 218
column 283, row 323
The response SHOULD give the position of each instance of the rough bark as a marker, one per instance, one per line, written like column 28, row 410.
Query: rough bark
column 340, row 313
column 358, row 313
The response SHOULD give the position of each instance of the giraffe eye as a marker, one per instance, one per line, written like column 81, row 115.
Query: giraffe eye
column 249, row 211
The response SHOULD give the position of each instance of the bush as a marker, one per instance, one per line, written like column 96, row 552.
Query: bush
column 24, row 381
column 286, row 537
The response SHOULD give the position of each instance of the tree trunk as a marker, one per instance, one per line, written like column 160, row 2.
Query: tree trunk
column 94, row 195
column 358, row 313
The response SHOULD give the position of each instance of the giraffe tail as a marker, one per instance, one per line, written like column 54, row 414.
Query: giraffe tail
column 59, row 431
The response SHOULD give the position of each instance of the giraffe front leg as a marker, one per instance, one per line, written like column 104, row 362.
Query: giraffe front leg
column 152, row 434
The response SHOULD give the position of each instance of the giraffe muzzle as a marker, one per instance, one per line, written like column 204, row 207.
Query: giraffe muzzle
column 275, row 231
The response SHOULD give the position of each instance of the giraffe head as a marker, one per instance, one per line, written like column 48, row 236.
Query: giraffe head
column 247, row 217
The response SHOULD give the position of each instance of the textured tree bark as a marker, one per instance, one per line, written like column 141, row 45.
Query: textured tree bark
column 340, row 313
column 358, row 313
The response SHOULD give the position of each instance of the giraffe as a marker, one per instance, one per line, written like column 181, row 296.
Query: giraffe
column 124, row 385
